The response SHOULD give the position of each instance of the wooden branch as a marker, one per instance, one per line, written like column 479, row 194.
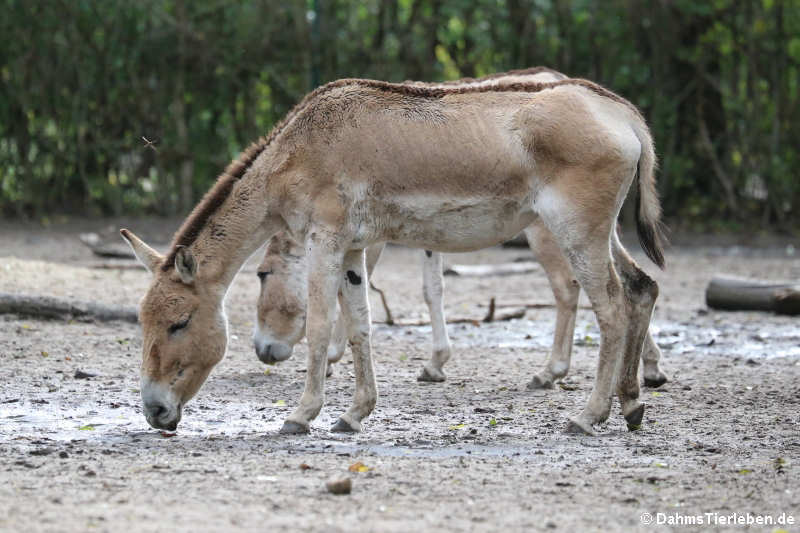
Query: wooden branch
column 736, row 294
column 490, row 315
column 533, row 305
column 499, row 269
column 54, row 308
column 389, row 318
column 115, row 265
column 510, row 315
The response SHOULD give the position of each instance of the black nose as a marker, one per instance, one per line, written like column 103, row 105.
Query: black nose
column 265, row 354
column 156, row 410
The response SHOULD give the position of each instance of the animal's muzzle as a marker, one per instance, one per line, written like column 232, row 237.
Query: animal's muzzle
column 274, row 352
column 161, row 416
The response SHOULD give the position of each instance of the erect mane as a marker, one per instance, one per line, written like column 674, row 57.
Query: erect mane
column 216, row 196
column 531, row 71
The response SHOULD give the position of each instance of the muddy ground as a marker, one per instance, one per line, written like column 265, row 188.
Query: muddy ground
column 476, row 453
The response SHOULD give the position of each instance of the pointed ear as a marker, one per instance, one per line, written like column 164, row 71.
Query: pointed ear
column 146, row 255
column 185, row 265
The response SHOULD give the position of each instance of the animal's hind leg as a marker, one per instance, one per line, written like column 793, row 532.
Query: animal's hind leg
column 641, row 292
column 566, row 291
column 654, row 376
column 583, row 235
column 355, row 310
column 433, row 289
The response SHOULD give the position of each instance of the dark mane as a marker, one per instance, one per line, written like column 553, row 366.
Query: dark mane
column 440, row 91
column 216, row 196
column 213, row 199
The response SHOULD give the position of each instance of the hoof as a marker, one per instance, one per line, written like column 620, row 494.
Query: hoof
column 577, row 427
column 655, row 383
column 634, row 418
column 431, row 375
column 329, row 370
column 294, row 428
column 538, row 383
column 343, row 426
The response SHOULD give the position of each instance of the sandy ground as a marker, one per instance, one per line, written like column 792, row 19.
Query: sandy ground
column 476, row 453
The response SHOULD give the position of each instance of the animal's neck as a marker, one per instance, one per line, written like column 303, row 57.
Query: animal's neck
column 237, row 228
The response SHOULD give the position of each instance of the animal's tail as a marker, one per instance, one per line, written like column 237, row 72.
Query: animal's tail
column 648, row 208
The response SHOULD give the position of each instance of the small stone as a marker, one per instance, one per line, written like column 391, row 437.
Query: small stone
column 80, row 374
column 41, row 451
column 339, row 486
column 63, row 455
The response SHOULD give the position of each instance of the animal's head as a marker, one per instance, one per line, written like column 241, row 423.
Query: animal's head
column 184, row 332
column 281, row 320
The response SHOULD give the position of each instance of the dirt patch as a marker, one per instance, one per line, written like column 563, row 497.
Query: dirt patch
column 476, row 453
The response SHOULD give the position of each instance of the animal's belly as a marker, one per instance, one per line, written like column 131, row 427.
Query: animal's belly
column 453, row 225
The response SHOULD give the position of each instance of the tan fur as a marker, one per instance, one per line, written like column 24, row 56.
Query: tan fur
column 447, row 169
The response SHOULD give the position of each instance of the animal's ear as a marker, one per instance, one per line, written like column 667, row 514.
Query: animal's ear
column 185, row 265
column 146, row 255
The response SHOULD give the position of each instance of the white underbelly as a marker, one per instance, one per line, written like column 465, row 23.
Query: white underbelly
column 452, row 225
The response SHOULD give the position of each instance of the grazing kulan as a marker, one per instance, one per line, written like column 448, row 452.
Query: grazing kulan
column 447, row 169
column 280, row 318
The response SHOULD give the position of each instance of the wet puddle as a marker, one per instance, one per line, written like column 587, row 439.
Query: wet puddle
column 750, row 339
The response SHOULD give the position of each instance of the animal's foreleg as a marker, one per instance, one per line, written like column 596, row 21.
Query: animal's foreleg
column 354, row 303
column 325, row 267
column 433, row 290
column 340, row 333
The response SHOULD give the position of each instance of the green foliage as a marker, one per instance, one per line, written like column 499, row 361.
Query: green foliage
column 87, row 83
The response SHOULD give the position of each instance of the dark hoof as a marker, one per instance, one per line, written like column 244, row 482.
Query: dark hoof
column 341, row 426
column 655, row 383
column 430, row 375
column 538, row 383
column 293, row 428
column 634, row 418
column 575, row 427
column 329, row 370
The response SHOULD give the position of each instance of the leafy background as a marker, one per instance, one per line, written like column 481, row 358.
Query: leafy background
column 84, row 81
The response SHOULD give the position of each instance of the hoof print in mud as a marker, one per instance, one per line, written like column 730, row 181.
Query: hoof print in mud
column 431, row 376
column 634, row 418
column 538, row 383
column 655, row 383
column 575, row 427
column 293, row 428
column 342, row 426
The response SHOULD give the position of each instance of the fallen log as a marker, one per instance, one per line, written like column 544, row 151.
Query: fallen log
column 499, row 269
column 737, row 294
column 106, row 249
column 53, row 308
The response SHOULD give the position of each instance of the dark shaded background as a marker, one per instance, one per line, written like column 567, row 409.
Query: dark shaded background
column 85, row 82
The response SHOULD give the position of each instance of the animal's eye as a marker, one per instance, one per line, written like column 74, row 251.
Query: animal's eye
column 177, row 326
column 263, row 274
